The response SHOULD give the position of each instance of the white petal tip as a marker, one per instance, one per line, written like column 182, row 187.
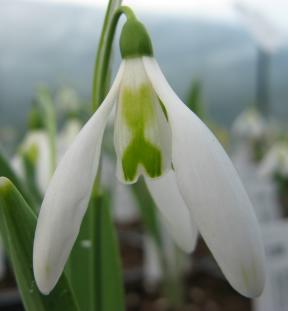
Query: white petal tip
column 251, row 281
column 45, row 275
column 253, row 291
column 44, row 283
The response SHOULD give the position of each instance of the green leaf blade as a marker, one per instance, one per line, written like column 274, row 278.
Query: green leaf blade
column 17, row 225
column 6, row 170
column 109, row 293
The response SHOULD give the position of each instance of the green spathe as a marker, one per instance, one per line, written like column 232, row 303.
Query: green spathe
column 134, row 40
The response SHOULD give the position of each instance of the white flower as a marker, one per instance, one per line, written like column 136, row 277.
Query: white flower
column 185, row 168
column 67, row 135
column 188, row 173
column 36, row 143
column 275, row 161
column 249, row 124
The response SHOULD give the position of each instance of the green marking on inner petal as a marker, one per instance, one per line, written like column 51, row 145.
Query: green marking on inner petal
column 137, row 107
column 138, row 112
column 141, row 151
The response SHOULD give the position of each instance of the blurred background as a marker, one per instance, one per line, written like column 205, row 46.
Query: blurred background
column 228, row 60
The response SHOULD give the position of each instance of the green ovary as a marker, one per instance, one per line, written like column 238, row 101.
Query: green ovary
column 138, row 114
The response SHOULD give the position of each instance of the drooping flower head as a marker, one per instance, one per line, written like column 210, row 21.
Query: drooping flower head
column 185, row 168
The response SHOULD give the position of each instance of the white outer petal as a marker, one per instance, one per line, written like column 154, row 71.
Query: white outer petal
column 165, row 193
column 67, row 197
column 213, row 191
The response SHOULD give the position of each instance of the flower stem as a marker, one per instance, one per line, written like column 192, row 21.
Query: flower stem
column 103, row 57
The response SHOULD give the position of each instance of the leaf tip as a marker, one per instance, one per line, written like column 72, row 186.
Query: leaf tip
column 5, row 185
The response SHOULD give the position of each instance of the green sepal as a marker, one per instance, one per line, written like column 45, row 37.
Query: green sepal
column 17, row 227
column 134, row 40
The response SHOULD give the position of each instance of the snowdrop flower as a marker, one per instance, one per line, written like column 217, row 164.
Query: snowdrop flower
column 249, row 124
column 275, row 161
column 37, row 144
column 186, row 170
column 66, row 136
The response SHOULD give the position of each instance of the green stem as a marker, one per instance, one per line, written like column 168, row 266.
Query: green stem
column 50, row 124
column 103, row 57
column 100, row 85
column 173, row 278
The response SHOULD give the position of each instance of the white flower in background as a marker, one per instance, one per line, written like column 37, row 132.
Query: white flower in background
column 64, row 139
column 186, row 169
column 37, row 143
column 176, row 263
column 249, row 124
column 123, row 201
column 151, row 264
column 263, row 22
column 67, row 100
column 124, row 204
column 275, row 161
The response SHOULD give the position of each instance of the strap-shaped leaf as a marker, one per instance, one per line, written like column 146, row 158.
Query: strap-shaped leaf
column 6, row 170
column 17, row 225
column 109, row 295
column 94, row 267
column 80, row 266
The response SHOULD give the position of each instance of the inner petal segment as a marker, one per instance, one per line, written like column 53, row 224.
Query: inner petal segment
column 142, row 133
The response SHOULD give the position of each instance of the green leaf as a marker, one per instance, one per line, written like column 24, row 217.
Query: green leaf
column 7, row 171
column 80, row 265
column 48, row 111
column 30, row 178
column 194, row 101
column 109, row 294
column 172, row 282
column 94, row 267
column 17, row 226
